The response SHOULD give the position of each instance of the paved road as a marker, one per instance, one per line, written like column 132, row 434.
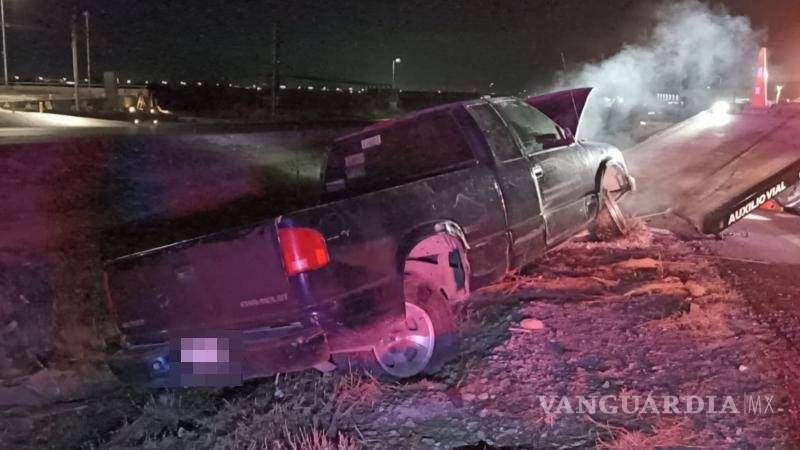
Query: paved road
column 764, row 236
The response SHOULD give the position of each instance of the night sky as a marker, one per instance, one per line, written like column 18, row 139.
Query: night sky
column 443, row 44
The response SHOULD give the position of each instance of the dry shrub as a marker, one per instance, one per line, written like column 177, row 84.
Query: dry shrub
column 665, row 434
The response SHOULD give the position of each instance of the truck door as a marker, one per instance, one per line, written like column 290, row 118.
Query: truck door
column 561, row 168
column 517, row 183
column 567, row 183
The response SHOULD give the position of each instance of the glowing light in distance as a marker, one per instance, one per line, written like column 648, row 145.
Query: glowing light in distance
column 721, row 107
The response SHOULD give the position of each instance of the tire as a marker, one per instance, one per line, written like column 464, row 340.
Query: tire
column 436, row 275
column 430, row 336
column 610, row 222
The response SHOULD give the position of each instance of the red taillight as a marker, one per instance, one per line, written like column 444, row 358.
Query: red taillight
column 303, row 249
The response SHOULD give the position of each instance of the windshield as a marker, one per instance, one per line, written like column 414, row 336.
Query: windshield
column 530, row 124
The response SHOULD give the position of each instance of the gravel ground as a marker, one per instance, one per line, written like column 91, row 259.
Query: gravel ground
column 652, row 315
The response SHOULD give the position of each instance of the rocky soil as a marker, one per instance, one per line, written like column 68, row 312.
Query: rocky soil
column 652, row 315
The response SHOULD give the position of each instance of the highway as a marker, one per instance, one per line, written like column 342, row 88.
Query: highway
column 763, row 236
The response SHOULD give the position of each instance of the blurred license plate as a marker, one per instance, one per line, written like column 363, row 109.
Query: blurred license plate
column 212, row 359
column 205, row 350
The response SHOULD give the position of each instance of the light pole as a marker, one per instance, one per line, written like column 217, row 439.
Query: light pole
column 395, row 62
column 5, row 56
column 74, row 37
column 88, row 53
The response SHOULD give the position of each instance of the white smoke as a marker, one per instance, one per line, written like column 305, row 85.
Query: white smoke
column 693, row 47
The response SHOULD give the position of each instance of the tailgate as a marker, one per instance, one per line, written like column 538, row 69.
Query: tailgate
column 232, row 280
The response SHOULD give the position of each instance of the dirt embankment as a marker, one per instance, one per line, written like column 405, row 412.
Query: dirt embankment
column 652, row 318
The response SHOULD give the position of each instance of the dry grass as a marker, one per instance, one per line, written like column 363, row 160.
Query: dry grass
column 664, row 434
column 550, row 287
column 312, row 440
column 322, row 405
column 637, row 236
column 708, row 315
column 511, row 284
column 708, row 320
column 668, row 286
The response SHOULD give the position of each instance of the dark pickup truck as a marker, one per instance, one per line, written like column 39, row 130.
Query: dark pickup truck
column 421, row 210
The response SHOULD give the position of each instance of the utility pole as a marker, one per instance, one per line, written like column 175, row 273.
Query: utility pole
column 88, row 52
column 276, row 71
column 5, row 55
column 74, row 36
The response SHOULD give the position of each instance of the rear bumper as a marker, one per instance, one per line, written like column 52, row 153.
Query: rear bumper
column 263, row 352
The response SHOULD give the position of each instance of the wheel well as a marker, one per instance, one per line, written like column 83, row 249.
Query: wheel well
column 441, row 258
column 427, row 231
column 610, row 176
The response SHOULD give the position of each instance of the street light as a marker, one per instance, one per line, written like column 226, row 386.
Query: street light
column 5, row 57
column 395, row 62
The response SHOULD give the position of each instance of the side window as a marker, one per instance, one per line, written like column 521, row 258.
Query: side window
column 417, row 148
column 397, row 154
column 497, row 135
column 532, row 126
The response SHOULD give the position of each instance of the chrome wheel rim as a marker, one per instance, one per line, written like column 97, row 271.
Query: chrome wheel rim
column 408, row 351
column 616, row 213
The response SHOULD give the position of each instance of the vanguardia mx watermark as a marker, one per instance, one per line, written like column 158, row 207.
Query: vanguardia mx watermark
column 760, row 405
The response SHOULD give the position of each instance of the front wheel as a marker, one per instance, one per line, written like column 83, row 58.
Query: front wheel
column 610, row 222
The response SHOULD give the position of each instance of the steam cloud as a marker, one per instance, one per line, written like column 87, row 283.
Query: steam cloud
column 692, row 47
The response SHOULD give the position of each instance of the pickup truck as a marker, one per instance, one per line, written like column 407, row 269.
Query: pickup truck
column 419, row 211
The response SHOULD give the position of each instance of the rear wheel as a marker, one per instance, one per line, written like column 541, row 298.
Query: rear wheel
column 408, row 352
column 436, row 275
column 425, row 340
